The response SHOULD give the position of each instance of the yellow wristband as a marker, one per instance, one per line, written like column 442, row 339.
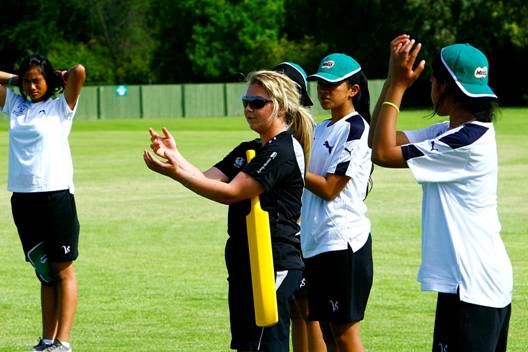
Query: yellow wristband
column 391, row 104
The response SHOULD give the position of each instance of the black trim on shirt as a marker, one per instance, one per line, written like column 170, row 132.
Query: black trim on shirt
column 409, row 151
column 465, row 136
column 341, row 168
column 357, row 126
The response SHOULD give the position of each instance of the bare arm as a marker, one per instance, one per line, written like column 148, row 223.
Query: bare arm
column 6, row 79
column 74, row 81
column 212, row 184
column 241, row 187
column 401, row 138
column 386, row 150
column 326, row 187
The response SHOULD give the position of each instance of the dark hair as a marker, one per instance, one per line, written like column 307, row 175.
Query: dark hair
column 483, row 108
column 53, row 81
column 361, row 103
column 361, row 100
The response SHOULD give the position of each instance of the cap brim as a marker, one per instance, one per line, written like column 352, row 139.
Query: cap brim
column 324, row 76
column 476, row 90
column 305, row 99
column 297, row 76
column 330, row 77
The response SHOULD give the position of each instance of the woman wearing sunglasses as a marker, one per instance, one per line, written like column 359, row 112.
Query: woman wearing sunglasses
column 335, row 232
column 276, row 174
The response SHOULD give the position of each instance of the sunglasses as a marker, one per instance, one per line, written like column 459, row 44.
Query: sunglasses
column 254, row 101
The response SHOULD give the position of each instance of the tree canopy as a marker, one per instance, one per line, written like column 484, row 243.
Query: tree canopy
column 166, row 41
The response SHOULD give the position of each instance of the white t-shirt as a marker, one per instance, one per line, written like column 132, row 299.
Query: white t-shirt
column 39, row 152
column 461, row 244
column 341, row 149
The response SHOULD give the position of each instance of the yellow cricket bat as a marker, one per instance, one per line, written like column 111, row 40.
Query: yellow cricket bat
column 261, row 261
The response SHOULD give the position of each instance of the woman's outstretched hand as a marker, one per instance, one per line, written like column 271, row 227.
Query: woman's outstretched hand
column 169, row 167
column 162, row 145
column 402, row 72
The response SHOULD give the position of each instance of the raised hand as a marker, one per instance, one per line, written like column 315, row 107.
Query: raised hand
column 170, row 167
column 396, row 44
column 402, row 72
column 162, row 146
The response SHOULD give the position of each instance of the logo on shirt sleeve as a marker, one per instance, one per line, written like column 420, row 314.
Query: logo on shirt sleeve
column 270, row 158
column 239, row 162
column 433, row 146
column 327, row 145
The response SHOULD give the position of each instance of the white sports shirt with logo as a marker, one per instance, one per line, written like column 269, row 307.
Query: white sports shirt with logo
column 461, row 244
column 341, row 149
column 39, row 152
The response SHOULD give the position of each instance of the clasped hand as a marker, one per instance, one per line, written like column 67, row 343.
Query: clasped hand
column 164, row 147
column 401, row 65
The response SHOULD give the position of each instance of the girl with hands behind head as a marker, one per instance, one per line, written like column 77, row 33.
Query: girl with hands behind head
column 463, row 256
column 272, row 109
column 40, row 175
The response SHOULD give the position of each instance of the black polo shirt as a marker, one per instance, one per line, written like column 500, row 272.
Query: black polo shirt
column 279, row 167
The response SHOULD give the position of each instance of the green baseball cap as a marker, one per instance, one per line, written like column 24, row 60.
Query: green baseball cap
column 298, row 75
column 335, row 68
column 469, row 68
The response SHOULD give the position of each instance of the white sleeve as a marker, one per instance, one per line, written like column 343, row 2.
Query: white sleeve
column 434, row 161
column 430, row 132
column 10, row 101
column 64, row 108
column 445, row 158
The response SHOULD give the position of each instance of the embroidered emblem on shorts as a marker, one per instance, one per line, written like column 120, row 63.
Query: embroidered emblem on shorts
column 335, row 305
column 66, row 249
column 443, row 348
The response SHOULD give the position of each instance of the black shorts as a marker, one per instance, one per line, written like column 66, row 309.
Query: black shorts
column 339, row 284
column 49, row 217
column 466, row 327
column 245, row 334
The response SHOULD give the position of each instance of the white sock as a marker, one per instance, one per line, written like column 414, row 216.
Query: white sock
column 65, row 344
column 48, row 341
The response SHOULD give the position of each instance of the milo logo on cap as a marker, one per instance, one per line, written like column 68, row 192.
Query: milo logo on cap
column 328, row 64
column 481, row 72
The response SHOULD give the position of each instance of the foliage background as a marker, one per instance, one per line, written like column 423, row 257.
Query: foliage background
column 166, row 41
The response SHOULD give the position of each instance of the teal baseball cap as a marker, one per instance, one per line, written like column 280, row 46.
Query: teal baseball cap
column 335, row 68
column 297, row 74
column 469, row 68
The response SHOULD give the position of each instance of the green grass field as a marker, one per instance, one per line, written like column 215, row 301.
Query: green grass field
column 151, row 269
